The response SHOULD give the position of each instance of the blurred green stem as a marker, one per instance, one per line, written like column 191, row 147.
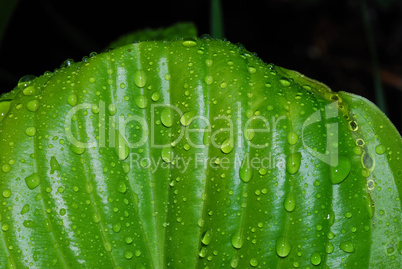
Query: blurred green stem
column 379, row 93
column 216, row 23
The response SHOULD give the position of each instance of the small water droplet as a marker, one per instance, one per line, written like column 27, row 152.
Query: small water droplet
column 167, row 154
column 167, row 117
column 112, row 109
column 283, row 247
column 293, row 163
column 25, row 81
column 315, row 258
column 116, row 227
column 203, row 252
column 140, row 78
column 122, row 149
column 227, row 145
column 341, row 171
column 30, row 131
column 249, row 134
column 209, row 62
column 77, row 149
column 128, row 255
column 234, row 262
column 187, row 118
column 206, row 139
column 141, row 101
column 33, row 105
column 6, row 193
column 253, row 262
column 209, row 80
column 284, row 82
column 32, row 181
column 347, row 246
column 369, row 205
column 155, row 96
column 380, row 149
column 25, row 209
column 290, row 202
column 96, row 217
column 329, row 247
column 189, row 43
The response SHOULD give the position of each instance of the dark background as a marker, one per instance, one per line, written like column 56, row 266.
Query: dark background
column 325, row 40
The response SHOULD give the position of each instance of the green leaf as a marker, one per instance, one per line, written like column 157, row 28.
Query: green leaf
column 193, row 154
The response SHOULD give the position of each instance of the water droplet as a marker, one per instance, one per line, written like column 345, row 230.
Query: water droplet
column 167, row 117
column 249, row 134
column 141, row 101
column 238, row 239
column 341, row 171
column 155, row 96
column 292, row 138
column 167, row 154
column 187, row 118
column 189, row 43
column 77, row 149
column 54, row 165
column 122, row 149
column 6, row 193
column 30, row 131
column 293, row 163
column 121, row 186
column 227, row 145
column 380, row 149
column 209, row 80
column 347, row 246
column 206, row 139
column 25, row 209
column 96, row 217
column 5, row 227
column 369, row 206
column 25, row 81
column 284, row 82
column 234, row 262
column 32, row 181
column 203, row 252
column 4, row 108
column 33, row 105
column 6, row 168
column 72, row 99
column 329, row 247
column 128, row 255
column 30, row 90
column 116, row 227
column 253, row 262
column 206, row 239
column 209, row 62
column 112, row 109
column 315, row 258
column 251, row 70
column 283, row 247
column 140, row 78
column 246, row 171
column 290, row 202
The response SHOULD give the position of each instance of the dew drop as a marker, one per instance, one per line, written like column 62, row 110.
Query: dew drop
column 293, row 163
column 246, row 171
column 155, row 96
column 206, row 239
column 33, row 105
column 209, row 80
column 167, row 154
column 25, row 81
column 339, row 173
column 284, row 82
column 283, row 247
column 140, row 78
column 203, row 252
column 251, row 70
column 112, row 109
column 315, row 258
column 128, row 255
column 141, row 101
column 122, row 149
column 290, row 202
column 54, row 165
column 347, row 246
column 30, row 131
column 96, row 217
column 5, row 227
column 187, row 118
column 253, row 262
column 4, row 108
column 329, row 247
column 77, row 149
column 72, row 100
column 121, row 187
column 234, row 262
column 167, row 117
column 292, row 138
column 189, row 43
column 206, row 138
column 380, row 149
column 238, row 239
column 25, row 209
column 369, row 206
column 6, row 193
column 32, row 181
column 116, row 227
column 227, row 145
column 209, row 62
column 249, row 134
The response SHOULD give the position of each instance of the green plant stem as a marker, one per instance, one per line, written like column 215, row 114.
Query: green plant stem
column 216, row 19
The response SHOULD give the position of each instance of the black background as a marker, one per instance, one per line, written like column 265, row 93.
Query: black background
column 325, row 40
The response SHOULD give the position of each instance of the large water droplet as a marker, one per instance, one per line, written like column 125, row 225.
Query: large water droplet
column 167, row 154
column 329, row 247
column 253, row 262
column 292, row 138
column 246, row 171
column 121, row 186
column 341, row 171
column 25, row 81
column 293, row 163
column 32, row 181
column 234, row 262
column 4, row 108
column 189, row 43
column 77, row 149
column 206, row 239
column 33, row 105
column 167, row 117
column 25, row 209
column 283, row 247
column 140, row 78
column 290, row 202
column 187, row 118
column 141, row 101
column 238, row 239
column 72, row 100
column 347, row 246
column 249, row 134
column 30, row 131
column 315, row 258
column 227, row 145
